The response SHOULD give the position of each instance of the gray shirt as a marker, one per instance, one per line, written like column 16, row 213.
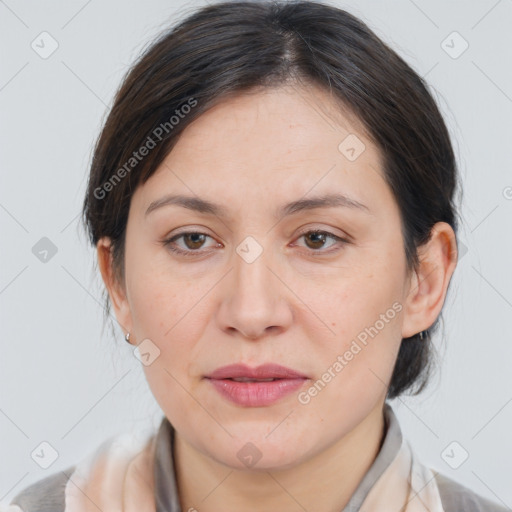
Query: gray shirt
column 48, row 494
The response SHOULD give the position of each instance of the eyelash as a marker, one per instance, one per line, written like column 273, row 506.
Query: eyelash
column 191, row 253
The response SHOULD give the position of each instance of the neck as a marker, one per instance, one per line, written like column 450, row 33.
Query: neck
column 324, row 483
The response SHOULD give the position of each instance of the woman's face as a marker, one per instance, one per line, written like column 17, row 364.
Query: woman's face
column 256, row 287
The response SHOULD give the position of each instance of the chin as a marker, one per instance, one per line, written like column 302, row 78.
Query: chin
column 250, row 450
column 264, row 460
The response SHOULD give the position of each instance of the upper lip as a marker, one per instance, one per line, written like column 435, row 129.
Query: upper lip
column 265, row 371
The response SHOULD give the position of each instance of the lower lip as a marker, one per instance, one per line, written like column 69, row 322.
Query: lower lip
column 256, row 394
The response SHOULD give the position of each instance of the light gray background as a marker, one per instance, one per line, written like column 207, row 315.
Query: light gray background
column 65, row 381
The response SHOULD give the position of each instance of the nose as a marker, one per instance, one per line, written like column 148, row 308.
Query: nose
column 255, row 300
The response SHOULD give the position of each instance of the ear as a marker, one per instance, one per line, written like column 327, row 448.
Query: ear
column 116, row 290
column 429, row 284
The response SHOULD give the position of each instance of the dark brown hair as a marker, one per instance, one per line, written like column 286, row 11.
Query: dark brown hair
column 231, row 47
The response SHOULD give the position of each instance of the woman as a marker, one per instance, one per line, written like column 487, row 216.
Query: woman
column 271, row 199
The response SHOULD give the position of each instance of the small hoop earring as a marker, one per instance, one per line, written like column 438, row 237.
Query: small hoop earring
column 421, row 336
column 127, row 337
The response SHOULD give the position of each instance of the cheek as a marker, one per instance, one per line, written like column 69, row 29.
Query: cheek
column 172, row 310
column 356, row 346
column 172, row 316
column 346, row 305
column 164, row 303
column 354, row 367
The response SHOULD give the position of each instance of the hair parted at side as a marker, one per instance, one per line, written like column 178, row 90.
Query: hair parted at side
column 231, row 47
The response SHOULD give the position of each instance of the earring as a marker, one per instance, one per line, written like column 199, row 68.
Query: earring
column 421, row 335
column 127, row 337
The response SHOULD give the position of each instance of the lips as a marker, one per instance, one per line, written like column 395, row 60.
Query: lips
column 261, row 373
column 255, row 387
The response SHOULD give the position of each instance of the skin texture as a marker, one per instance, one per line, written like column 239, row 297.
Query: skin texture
column 301, row 303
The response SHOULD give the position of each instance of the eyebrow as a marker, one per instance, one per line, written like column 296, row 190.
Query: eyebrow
column 204, row 206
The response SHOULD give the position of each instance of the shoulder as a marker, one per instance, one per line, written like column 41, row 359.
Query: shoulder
column 456, row 497
column 45, row 495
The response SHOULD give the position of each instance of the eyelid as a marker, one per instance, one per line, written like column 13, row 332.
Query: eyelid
column 340, row 241
column 329, row 230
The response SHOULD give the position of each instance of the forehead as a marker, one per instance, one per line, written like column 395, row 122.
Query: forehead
column 296, row 115
column 271, row 144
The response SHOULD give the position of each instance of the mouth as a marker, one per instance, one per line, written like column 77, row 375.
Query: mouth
column 265, row 372
column 255, row 387
column 246, row 379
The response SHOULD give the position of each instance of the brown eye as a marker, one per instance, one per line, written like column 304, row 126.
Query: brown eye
column 192, row 242
column 316, row 241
